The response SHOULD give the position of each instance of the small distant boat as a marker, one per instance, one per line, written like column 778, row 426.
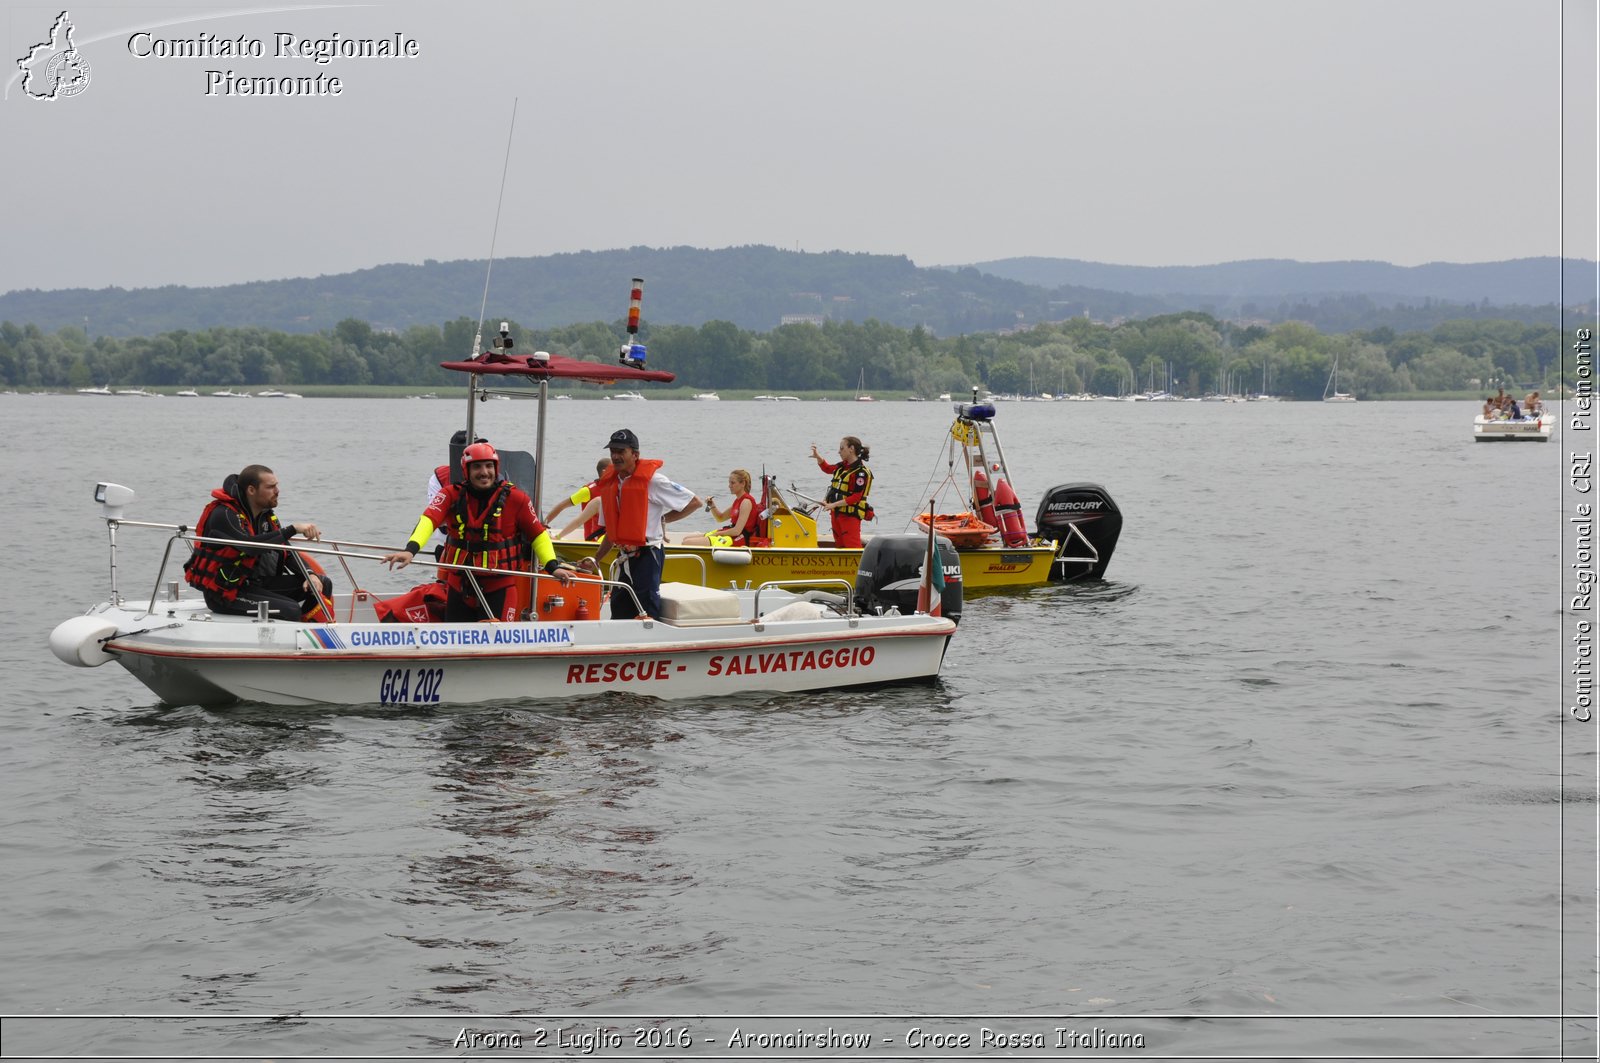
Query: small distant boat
column 187, row 393
column 944, row 396
column 274, row 394
column 788, row 398
column 229, row 393
column 94, row 391
column 708, row 396
column 140, row 392
column 861, row 387
column 766, row 398
column 629, row 396
column 1330, row 390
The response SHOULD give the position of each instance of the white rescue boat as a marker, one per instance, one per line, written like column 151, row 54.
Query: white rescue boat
column 891, row 626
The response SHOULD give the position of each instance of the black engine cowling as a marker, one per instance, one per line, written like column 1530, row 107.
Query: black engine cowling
column 1084, row 522
column 890, row 574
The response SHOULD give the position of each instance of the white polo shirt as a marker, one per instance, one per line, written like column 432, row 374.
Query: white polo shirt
column 666, row 496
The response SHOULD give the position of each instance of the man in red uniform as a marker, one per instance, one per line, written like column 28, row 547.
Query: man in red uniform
column 488, row 523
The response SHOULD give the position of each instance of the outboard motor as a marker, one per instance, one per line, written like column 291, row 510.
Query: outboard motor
column 890, row 574
column 1084, row 523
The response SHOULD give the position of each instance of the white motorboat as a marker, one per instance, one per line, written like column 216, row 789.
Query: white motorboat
column 892, row 626
column 187, row 393
column 95, row 391
column 628, row 396
column 1495, row 430
column 708, row 396
column 707, row 642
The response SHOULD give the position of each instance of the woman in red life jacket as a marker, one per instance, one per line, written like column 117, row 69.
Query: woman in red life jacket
column 237, row 579
column 846, row 500
column 488, row 523
column 740, row 515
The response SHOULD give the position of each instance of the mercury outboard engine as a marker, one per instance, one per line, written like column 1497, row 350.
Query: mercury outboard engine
column 1084, row 522
column 890, row 574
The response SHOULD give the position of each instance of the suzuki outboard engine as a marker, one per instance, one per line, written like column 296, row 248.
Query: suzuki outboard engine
column 890, row 574
column 1084, row 523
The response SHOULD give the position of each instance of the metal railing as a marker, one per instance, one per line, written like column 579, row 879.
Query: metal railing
column 333, row 548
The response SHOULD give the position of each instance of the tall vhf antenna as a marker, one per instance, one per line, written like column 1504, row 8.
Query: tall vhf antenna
column 477, row 339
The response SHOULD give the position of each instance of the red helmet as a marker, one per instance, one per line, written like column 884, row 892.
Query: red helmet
column 479, row 452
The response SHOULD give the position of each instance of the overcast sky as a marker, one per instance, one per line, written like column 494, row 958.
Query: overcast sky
column 1148, row 132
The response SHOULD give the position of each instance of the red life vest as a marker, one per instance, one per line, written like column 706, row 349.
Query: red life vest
column 597, row 523
column 741, row 536
column 486, row 537
column 626, row 510
column 218, row 568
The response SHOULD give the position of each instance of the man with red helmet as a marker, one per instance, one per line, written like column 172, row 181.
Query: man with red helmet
column 488, row 523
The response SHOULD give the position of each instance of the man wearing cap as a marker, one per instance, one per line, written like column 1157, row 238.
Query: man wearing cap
column 638, row 503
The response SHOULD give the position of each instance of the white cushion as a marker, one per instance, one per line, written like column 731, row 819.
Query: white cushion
column 686, row 602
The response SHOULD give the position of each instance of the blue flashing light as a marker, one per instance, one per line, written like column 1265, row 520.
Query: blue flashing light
column 975, row 411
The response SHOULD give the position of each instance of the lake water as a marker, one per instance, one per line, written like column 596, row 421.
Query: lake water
column 1296, row 780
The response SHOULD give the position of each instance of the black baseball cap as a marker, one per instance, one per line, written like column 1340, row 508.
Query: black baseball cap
column 623, row 437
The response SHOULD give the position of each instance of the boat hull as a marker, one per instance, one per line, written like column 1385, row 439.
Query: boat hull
column 1492, row 431
column 983, row 568
column 189, row 656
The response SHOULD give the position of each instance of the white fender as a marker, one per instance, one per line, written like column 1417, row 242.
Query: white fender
column 727, row 556
column 77, row 641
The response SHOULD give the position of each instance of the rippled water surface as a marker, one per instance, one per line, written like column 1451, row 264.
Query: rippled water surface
column 1301, row 756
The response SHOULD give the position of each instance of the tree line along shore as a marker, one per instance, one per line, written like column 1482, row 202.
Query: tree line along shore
column 1188, row 355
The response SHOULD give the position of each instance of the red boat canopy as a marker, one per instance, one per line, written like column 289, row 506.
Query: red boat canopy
column 494, row 363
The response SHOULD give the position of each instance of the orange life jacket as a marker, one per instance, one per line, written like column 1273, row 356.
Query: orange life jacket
column 625, row 510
